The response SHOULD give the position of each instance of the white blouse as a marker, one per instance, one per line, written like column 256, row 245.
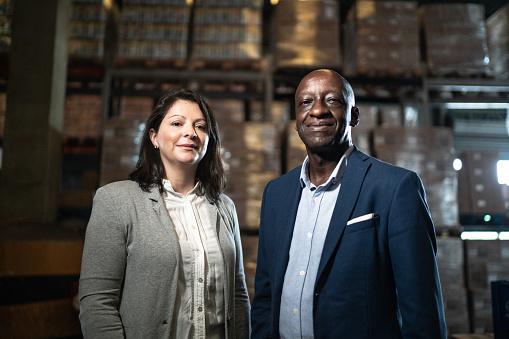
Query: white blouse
column 199, row 308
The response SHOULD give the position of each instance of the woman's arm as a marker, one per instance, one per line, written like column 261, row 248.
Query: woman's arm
column 242, row 305
column 102, row 268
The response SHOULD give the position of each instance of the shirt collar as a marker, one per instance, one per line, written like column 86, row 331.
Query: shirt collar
column 192, row 194
column 335, row 176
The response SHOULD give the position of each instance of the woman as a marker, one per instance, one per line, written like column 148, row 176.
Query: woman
column 162, row 255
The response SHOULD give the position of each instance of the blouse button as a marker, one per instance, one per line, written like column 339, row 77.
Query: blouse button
column 200, row 309
column 200, row 280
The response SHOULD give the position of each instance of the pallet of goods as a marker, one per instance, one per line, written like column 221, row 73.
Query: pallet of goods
column 381, row 38
column 455, row 42
column 307, row 34
column 227, row 34
column 497, row 28
column 154, row 33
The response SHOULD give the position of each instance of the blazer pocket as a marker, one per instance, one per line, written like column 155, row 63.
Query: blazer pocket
column 362, row 225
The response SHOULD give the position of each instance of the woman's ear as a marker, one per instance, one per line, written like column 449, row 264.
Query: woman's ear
column 153, row 137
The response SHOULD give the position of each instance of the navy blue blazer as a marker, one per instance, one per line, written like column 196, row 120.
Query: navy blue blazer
column 377, row 278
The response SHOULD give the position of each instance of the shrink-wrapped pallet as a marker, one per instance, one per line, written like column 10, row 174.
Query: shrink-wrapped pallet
column 455, row 42
column 307, row 34
column 382, row 38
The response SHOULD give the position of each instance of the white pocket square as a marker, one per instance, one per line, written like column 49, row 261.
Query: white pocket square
column 361, row 218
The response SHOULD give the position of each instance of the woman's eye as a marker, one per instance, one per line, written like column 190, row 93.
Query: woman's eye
column 201, row 127
column 176, row 123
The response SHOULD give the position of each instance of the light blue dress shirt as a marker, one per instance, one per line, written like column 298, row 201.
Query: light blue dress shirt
column 312, row 222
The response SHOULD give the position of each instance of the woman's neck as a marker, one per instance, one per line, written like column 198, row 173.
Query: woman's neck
column 182, row 180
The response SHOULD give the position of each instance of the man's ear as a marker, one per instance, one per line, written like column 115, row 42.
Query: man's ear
column 354, row 121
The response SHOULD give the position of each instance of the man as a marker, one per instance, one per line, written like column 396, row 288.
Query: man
column 347, row 245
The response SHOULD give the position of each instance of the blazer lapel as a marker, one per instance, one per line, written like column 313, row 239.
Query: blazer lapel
column 283, row 237
column 158, row 205
column 351, row 184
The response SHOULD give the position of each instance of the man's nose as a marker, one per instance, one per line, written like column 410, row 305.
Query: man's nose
column 319, row 108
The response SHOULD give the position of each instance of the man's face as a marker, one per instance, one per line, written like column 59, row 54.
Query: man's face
column 323, row 112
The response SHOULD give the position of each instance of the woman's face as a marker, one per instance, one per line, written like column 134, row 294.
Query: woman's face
column 182, row 137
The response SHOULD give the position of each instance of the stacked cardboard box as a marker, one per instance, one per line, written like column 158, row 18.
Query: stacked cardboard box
column 87, row 29
column 429, row 152
column 455, row 39
column 450, row 260
column 228, row 110
column 479, row 192
column 279, row 111
column 497, row 28
column 136, row 107
column 307, row 34
column 154, row 30
column 252, row 155
column 120, row 148
column 382, row 38
column 227, row 30
column 487, row 261
column 82, row 116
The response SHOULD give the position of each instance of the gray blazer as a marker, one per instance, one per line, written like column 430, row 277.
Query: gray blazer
column 130, row 266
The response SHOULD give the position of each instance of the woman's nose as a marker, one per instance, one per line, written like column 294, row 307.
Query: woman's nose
column 190, row 133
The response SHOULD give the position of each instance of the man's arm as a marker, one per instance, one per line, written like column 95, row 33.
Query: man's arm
column 412, row 246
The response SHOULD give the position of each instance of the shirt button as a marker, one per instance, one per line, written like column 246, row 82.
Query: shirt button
column 200, row 280
column 193, row 227
column 310, row 235
column 200, row 309
column 295, row 311
column 302, row 272
column 316, row 199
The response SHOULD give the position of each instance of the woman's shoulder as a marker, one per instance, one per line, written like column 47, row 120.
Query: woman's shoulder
column 120, row 188
column 226, row 200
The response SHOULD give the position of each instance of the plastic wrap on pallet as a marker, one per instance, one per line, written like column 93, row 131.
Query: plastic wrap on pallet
column 382, row 38
column 307, row 33
column 497, row 27
column 455, row 39
column 227, row 33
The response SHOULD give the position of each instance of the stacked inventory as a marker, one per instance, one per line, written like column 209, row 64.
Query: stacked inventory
column 497, row 27
column 82, row 117
column 455, row 39
column 480, row 195
column 87, row 29
column 120, row 147
column 252, row 155
column 154, row 30
column 227, row 30
column 429, row 152
column 136, row 107
column 450, row 261
column 487, row 261
column 382, row 38
column 307, row 34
